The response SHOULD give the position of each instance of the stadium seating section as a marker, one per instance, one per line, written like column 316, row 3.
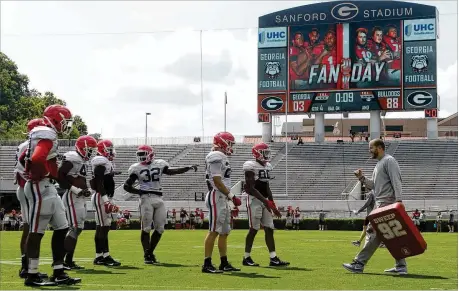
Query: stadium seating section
column 314, row 171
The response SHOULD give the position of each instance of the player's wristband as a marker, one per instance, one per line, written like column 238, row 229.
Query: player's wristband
column 75, row 190
column 230, row 195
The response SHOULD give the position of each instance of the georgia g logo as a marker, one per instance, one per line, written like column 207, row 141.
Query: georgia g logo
column 272, row 69
column 344, row 11
column 419, row 99
column 419, row 63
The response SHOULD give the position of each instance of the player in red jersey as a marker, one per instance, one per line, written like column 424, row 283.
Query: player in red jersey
column 299, row 59
column 46, row 206
column 362, row 52
column 394, row 43
column 296, row 218
column 314, row 46
column 379, row 49
column 328, row 56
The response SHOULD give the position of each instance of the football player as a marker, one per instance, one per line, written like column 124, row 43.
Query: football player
column 394, row 44
column 314, row 46
column 378, row 48
column 260, row 204
column 183, row 216
column 72, row 178
column 296, row 218
column 328, row 57
column 362, row 52
column 104, row 186
column 218, row 179
column 148, row 172
column 368, row 206
column 20, row 180
column 300, row 59
column 45, row 205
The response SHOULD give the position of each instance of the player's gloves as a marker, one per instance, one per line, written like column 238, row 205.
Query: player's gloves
column 236, row 201
column 110, row 208
column 85, row 193
column 355, row 212
column 193, row 167
column 271, row 205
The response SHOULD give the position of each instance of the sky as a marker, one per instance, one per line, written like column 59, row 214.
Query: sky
column 114, row 61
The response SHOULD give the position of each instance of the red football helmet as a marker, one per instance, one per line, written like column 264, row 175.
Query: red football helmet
column 145, row 154
column 224, row 141
column 105, row 148
column 86, row 146
column 34, row 123
column 59, row 118
column 261, row 152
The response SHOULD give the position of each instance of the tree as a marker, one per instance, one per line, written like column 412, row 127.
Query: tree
column 19, row 104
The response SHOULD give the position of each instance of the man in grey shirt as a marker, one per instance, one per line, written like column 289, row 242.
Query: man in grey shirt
column 386, row 183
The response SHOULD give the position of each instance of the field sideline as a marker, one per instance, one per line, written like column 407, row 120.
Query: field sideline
column 315, row 257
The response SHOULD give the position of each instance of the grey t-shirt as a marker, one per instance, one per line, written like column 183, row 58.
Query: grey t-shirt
column 386, row 181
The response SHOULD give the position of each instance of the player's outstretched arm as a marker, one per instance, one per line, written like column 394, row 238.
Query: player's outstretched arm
column 178, row 171
column 395, row 177
column 367, row 203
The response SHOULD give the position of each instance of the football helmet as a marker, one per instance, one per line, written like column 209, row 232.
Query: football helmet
column 86, row 146
column 261, row 152
column 59, row 118
column 105, row 148
column 34, row 123
column 224, row 141
column 145, row 154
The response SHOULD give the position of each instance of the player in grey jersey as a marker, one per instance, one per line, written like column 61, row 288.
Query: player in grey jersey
column 148, row 172
column 386, row 182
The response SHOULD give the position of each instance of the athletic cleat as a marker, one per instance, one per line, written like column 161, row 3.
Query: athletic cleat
column 276, row 262
column 210, row 269
column 110, row 262
column 35, row 280
column 354, row 267
column 99, row 261
column 150, row 259
column 72, row 266
column 397, row 270
column 356, row 243
column 382, row 245
column 249, row 262
column 64, row 279
column 23, row 274
column 228, row 268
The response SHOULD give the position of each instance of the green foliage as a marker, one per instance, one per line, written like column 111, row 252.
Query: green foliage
column 19, row 104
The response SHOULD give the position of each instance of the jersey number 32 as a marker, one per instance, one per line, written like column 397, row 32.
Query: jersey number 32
column 150, row 175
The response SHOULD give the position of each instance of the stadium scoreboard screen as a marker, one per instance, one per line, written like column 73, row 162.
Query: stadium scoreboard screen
column 351, row 56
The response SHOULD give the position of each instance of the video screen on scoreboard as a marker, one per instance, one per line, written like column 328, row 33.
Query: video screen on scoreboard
column 377, row 47
column 374, row 60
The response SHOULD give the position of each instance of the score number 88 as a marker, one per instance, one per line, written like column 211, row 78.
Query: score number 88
column 391, row 229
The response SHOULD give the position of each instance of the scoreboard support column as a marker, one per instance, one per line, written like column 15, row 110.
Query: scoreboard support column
column 319, row 127
column 375, row 124
column 266, row 131
column 432, row 128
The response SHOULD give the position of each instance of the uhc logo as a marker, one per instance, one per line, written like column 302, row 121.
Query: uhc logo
column 419, row 29
column 272, row 37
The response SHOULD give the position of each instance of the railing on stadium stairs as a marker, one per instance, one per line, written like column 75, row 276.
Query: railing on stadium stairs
column 250, row 139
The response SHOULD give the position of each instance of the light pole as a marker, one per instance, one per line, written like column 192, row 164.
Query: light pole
column 226, row 102
column 146, row 125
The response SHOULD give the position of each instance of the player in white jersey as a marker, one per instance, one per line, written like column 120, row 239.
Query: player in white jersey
column 46, row 206
column 218, row 178
column 104, row 186
column 148, row 171
column 72, row 178
column 20, row 180
column 260, row 204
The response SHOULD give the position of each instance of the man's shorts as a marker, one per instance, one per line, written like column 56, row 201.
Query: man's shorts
column 75, row 208
column 24, row 202
column 152, row 210
column 45, row 206
column 219, row 212
column 258, row 214
column 102, row 218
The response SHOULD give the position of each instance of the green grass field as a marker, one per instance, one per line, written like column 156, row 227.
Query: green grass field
column 315, row 257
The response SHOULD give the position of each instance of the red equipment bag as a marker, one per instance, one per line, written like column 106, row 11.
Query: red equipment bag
column 398, row 232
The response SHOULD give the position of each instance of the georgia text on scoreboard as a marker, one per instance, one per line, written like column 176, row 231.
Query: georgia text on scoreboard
column 352, row 56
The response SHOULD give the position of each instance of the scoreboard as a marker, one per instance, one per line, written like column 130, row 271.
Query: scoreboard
column 352, row 56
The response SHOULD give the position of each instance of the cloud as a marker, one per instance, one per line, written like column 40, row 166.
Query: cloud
column 176, row 96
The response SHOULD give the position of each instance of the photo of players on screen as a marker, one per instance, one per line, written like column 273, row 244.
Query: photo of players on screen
column 376, row 43
column 312, row 53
